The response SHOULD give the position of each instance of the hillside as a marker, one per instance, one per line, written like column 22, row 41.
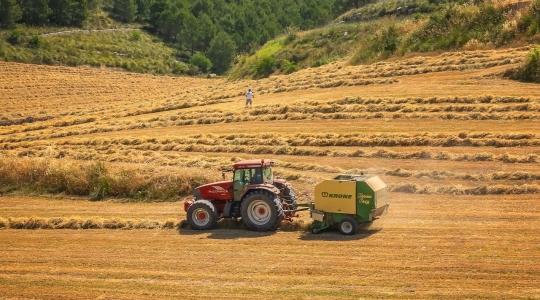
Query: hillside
column 128, row 48
column 384, row 29
column 174, row 36
column 178, row 37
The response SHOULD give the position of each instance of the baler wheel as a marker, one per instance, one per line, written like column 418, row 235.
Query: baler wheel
column 348, row 226
column 201, row 215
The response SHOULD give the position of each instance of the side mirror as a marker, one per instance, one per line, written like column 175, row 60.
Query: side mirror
column 223, row 175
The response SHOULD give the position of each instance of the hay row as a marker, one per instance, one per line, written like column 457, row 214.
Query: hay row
column 81, row 223
column 297, row 151
column 84, row 223
column 318, row 140
column 334, row 107
column 412, row 188
column 430, row 174
column 220, row 117
column 445, row 175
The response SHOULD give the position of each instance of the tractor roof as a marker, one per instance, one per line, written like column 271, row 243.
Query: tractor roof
column 253, row 163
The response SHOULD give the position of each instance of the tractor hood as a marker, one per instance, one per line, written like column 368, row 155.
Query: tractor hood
column 220, row 190
column 217, row 183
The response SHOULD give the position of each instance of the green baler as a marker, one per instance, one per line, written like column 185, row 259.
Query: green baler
column 347, row 201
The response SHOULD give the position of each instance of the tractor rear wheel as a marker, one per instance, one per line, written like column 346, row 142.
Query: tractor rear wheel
column 261, row 211
column 201, row 215
column 348, row 226
column 287, row 194
column 290, row 197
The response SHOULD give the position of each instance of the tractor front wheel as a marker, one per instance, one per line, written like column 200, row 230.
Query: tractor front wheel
column 348, row 226
column 201, row 215
column 261, row 211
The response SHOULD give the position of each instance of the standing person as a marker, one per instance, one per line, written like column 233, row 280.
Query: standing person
column 249, row 98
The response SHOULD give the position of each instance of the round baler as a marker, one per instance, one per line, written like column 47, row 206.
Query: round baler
column 347, row 201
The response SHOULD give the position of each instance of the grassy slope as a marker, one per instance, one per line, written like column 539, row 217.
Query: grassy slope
column 130, row 49
column 102, row 42
column 382, row 29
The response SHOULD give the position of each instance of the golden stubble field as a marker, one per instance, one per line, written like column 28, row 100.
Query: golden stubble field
column 456, row 142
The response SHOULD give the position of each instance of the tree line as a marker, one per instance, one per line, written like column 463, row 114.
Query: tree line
column 43, row 12
column 206, row 33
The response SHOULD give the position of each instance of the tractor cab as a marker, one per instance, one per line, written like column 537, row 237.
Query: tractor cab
column 249, row 173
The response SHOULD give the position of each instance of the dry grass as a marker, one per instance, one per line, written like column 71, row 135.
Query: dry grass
column 97, row 180
column 81, row 223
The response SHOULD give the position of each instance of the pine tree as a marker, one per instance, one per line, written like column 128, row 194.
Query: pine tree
column 221, row 52
column 60, row 11
column 79, row 12
column 36, row 12
column 68, row 12
column 125, row 10
column 143, row 9
column 10, row 13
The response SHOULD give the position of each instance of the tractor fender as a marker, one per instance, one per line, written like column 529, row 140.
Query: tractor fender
column 187, row 204
column 270, row 189
column 209, row 203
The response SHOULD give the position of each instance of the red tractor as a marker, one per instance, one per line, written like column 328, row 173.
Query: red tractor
column 253, row 195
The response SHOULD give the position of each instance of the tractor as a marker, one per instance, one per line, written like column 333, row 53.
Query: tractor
column 254, row 195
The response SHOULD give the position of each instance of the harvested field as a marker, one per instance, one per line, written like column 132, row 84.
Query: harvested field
column 458, row 145
column 418, row 250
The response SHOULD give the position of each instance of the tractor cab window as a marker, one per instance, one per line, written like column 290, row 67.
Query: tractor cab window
column 267, row 175
column 249, row 176
column 242, row 175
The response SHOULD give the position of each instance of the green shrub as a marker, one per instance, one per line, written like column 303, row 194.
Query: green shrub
column 291, row 36
column 265, row 66
column 320, row 62
column 288, row 67
column 261, row 64
column 201, row 61
column 35, row 42
column 192, row 70
column 384, row 44
column 135, row 36
column 530, row 70
column 179, row 67
column 530, row 22
column 15, row 37
column 387, row 41
column 454, row 26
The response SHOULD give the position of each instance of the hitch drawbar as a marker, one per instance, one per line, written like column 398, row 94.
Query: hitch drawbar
column 300, row 207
